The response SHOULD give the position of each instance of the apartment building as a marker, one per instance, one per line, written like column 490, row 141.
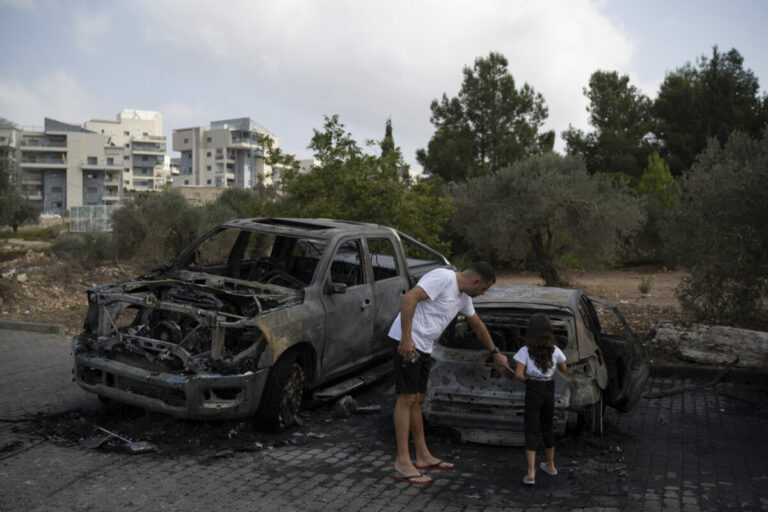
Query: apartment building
column 225, row 154
column 10, row 135
column 64, row 165
column 135, row 142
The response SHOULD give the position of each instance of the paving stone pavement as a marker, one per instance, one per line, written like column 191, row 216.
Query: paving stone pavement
column 702, row 450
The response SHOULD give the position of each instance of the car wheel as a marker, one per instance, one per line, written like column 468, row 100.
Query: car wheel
column 282, row 398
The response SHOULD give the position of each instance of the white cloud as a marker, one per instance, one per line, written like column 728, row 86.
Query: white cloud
column 89, row 29
column 370, row 60
column 29, row 5
column 58, row 96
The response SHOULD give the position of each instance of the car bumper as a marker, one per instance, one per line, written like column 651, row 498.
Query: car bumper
column 197, row 396
column 497, row 420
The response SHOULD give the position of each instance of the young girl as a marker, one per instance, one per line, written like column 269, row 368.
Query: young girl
column 536, row 364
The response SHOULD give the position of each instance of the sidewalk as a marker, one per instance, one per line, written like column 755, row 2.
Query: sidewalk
column 703, row 450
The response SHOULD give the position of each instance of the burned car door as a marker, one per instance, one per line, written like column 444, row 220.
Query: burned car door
column 390, row 284
column 349, row 309
column 626, row 359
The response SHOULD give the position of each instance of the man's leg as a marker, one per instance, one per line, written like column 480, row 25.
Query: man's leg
column 423, row 456
column 403, row 415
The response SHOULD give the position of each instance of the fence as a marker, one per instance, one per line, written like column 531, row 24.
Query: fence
column 91, row 218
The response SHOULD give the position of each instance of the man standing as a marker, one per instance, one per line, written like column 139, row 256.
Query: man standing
column 426, row 311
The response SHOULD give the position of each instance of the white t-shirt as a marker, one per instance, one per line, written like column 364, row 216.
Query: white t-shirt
column 433, row 315
column 531, row 369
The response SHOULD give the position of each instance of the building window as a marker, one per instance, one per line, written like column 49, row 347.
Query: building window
column 93, row 190
column 91, row 160
column 110, row 161
column 186, row 141
column 208, row 139
column 145, row 134
column 127, row 145
column 126, row 133
column 209, row 182
column 125, row 157
column 207, row 167
column 186, row 182
column 56, row 190
column 144, row 158
column 208, row 154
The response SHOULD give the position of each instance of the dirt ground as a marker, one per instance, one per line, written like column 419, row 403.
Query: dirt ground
column 36, row 287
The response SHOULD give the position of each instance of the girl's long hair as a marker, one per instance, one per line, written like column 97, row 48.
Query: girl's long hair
column 540, row 340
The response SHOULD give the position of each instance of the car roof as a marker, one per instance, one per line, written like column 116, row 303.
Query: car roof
column 317, row 228
column 541, row 295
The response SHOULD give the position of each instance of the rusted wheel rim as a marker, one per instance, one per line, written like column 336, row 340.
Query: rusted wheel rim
column 290, row 403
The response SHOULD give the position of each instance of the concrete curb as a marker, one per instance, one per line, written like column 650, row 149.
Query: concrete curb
column 32, row 326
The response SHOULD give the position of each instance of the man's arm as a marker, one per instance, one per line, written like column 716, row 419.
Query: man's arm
column 407, row 309
column 485, row 338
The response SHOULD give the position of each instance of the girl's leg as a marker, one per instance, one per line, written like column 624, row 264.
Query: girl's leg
column 550, row 453
column 534, row 399
column 530, row 455
column 548, row 437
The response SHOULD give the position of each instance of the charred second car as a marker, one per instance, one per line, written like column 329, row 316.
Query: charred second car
column 249, row 317
column 469, row 395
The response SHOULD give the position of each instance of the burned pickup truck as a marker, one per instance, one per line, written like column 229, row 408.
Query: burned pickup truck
column 250, row 317
column 469, row 395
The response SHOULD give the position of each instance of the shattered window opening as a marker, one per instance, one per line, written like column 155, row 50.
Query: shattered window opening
column 264, row 257
column 507, row 329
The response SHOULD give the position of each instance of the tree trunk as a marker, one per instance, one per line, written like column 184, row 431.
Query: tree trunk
column 543, row 251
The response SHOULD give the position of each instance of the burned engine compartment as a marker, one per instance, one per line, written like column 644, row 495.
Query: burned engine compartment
column 183, row 323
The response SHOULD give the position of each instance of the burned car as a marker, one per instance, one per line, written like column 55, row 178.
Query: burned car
column 250, row 317
column 468, row 394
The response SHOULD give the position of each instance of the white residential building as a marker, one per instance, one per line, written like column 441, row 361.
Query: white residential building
column 64, row 165
column 136, row 143
column 227, row 153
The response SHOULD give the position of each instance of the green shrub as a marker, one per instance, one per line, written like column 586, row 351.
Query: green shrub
column 156, row 227
column 718, row 232
column 90, row 247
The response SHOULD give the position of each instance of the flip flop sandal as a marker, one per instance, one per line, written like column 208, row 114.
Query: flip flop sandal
column 410, row 479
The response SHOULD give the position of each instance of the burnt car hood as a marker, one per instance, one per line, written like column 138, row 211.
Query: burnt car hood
column 181, row 320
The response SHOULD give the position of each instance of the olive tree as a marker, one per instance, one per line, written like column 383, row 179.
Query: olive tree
column 156, row 226
column 546, row 206
column 717, row 230
column 352, row 184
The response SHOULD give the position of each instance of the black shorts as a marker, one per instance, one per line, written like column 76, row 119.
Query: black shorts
column 410, row 378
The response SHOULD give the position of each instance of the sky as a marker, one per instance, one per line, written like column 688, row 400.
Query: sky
column 286, row 64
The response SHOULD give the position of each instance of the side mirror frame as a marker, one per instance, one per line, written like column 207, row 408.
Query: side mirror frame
column 333, row 288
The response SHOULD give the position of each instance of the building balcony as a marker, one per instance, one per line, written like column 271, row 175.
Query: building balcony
column 28, row 163
column 42, row 145
column 110, row 198
column 153, row 152
column 150, row 138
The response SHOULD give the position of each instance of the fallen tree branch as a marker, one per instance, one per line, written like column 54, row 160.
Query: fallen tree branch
column 683, row 389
